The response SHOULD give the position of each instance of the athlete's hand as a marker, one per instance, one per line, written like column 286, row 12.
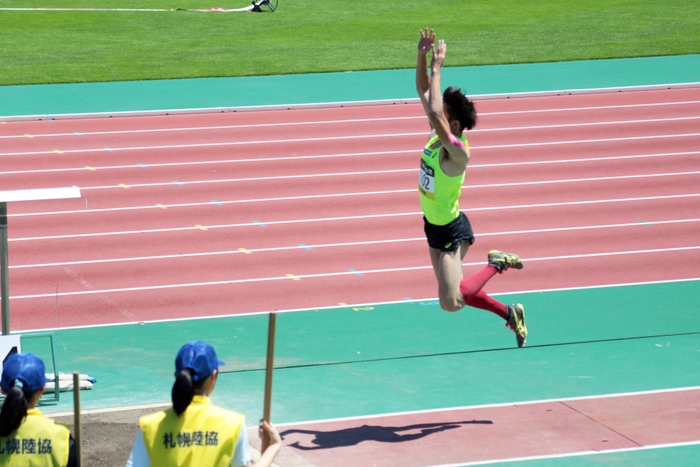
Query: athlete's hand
column 439, row 55
column 427, row 39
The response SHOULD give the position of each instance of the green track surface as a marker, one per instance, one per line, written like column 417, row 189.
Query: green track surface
column 130, row 96
column 408, row 356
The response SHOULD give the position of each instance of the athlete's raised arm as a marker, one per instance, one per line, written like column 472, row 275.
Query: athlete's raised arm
column 425, row 45
column 448, row 131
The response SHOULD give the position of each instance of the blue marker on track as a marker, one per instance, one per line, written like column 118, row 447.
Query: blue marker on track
column 178, row 183
column 143, row 166
column 259, row 223
column 307, row 248
column 218, row 203
column 356, row 273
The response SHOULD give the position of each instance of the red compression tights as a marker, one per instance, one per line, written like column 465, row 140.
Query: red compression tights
column 474, row 296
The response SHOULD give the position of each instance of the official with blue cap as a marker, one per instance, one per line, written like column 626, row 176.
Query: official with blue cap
column 27, row 438
column 199, row 357
column 194, row 432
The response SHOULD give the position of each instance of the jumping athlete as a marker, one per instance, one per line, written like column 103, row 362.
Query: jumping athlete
column 442, row 171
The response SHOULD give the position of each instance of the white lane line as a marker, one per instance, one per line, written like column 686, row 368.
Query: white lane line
column 334, row 274
column 329, row 195
column 349, row 244
column 220, row 226
column 585, row 159
column 599, row 107
column 370, row 120
column 585, row 141
column 334, row 138
column 384, row 172
column 412, row 150
column 399, row 414
column 253, row 179
column 492, row 406
column 586, row 124
column 589, row 287
column 219, row 144
column 354, row 154
column 602, row 452
column 345, row 218
column 476, row 130
column 218, row 127
column 222, row 202
column 336, row 307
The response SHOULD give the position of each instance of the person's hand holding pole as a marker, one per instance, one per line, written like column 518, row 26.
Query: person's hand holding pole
column 269, row 430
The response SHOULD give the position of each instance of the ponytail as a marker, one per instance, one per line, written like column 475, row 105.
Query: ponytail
column 183, row 391
column 13, row 410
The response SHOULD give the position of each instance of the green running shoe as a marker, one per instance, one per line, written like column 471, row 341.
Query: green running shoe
column 517, row 323
column 503, row 261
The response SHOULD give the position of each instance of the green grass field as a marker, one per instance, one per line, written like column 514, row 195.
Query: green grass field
column 307, row 36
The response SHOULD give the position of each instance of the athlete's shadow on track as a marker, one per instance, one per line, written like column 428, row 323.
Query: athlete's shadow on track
column 384, row 434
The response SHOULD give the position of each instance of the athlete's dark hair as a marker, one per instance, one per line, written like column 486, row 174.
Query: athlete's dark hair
column 13, row 410
column 184, row 390
column 460, row 108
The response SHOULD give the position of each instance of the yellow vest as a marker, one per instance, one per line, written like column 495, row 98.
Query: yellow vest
column 204, row 435
column 38, row 442
column 439, row 193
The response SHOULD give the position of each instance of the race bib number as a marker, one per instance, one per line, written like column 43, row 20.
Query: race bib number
column 426, row 179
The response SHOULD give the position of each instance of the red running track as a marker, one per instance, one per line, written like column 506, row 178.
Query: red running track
column 509, row 432
column 218, row 214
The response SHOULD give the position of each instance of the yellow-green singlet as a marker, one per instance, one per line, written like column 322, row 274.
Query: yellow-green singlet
column 439, row 193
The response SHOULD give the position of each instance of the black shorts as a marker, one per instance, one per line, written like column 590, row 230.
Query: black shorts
column 449, row 237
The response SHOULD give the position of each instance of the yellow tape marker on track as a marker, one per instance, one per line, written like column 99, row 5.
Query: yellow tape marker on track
column 247, row 252
column 90, row 168
column 293, row 277
column 57, row 151
column 29, row 136
column 161, row 206
column 200, row 227
column 124, row 186
column 342, row 304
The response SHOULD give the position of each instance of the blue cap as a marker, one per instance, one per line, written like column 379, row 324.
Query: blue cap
column 25, row 367
column 199, row 357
